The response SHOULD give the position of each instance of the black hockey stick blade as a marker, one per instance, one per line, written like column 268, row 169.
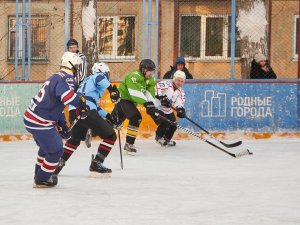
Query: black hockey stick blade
column 227, row 145
column 235, row 155
column 231, row 145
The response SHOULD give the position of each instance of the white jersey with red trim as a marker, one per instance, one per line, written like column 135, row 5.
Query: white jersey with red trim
column 175, row 95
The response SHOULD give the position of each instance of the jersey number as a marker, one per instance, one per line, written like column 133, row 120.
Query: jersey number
column 39, row 97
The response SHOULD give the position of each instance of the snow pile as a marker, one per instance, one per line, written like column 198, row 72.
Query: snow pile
column 252, row 24
column 88, row 20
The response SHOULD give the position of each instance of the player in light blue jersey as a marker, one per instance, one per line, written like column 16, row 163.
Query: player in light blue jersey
column 98, row 120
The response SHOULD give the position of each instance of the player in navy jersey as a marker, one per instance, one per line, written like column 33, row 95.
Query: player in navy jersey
column 92, row 88
column 45, row 120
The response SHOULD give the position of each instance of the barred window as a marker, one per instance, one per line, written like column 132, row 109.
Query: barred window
column 296, row 37
column 206, row 37
column 116, row 37
column 38, row 48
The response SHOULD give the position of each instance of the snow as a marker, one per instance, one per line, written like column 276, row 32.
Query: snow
column 88, row 20
column 191, row 184
column 252, row 24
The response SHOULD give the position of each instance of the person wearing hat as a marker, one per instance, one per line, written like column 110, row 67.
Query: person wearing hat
column 168, row 93
column 179, row 65
column 260, row 68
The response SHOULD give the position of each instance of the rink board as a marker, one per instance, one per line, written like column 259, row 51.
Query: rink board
column 219, row 107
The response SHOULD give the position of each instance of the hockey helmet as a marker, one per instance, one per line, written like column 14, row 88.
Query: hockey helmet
column 179, row 74
column 147, row 65
column 101, row 67
column 70, row 60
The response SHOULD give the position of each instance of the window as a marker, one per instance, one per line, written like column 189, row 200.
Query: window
column 206, row 37
column 116, row 37
column 296, row 37
column 38, row 39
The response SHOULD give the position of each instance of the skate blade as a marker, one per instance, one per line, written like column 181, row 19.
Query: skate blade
column 99, row 175
column 41, row 186
column 130, row 153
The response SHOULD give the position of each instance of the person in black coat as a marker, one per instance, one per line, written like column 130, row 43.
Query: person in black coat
column 180, row 65
column 260, row 68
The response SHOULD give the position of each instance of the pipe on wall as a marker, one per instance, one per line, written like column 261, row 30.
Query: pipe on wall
column 17, row 41
column 232, row 50
column 29, row 40
column 66, row 23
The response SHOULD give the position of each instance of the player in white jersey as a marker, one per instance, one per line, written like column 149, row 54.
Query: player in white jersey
column 168, row 93
column 82, row 73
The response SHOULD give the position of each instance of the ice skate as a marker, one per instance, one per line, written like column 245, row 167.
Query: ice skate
column 88, row 138
column 170, row 143
column 51, row 182
column 60, row 166
column 130, row 149
column 97, row 169
column 161, row 141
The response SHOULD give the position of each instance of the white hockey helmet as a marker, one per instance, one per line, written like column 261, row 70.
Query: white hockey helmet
column 179, row 74
column 100, row 67
column 70, row 60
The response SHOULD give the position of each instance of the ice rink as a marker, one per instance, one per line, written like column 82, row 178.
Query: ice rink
column 191, row 184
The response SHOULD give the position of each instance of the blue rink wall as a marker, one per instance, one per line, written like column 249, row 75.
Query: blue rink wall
column 271, row 107
column 257, row 107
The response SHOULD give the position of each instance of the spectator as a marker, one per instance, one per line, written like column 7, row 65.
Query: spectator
column 260, row 68
column 180, row 65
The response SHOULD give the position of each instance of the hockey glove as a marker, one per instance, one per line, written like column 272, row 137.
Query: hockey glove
column 64, row 132
column 150, row 108
column 114, row 94
column 112, row 120
column 83, row 109
column 164, row 101
column 180, row 112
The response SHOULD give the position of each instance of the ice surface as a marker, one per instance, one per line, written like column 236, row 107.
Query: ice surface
column 192, row 183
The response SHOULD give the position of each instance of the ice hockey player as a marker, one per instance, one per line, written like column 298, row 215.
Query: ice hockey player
column 72, row 46
column 93, row 87
column 45, row 120
column 168, row 93
column 138, row 87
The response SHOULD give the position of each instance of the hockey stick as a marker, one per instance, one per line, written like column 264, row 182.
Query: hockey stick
column 74, row 123
column 119, row 137
column 227, row 145
column 235, row 155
